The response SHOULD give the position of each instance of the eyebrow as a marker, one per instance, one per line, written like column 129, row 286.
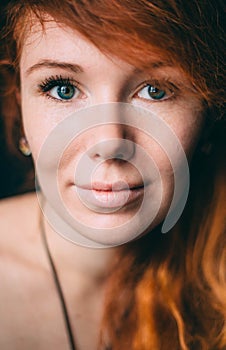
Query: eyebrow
column 154, row 65
column 75, row 68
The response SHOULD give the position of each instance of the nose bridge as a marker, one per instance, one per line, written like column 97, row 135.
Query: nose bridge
column 110, row 84
column 110, row 130
column 106, row 93
column 111, row 141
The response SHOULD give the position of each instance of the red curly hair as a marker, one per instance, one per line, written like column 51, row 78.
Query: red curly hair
column 165, row 291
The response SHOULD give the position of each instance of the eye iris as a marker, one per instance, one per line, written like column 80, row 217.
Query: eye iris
column 155, row 93
column 66, row 92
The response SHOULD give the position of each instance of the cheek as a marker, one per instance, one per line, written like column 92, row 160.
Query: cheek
column 169, row 153
column 189, row 135
column 35, row 135
column 187, row 128
column 38, row 122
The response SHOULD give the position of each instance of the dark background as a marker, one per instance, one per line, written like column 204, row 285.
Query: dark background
column 15, row 169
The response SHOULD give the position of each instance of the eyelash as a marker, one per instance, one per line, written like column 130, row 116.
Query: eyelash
column 48, row 84
column 56, row 81
column 170, row 90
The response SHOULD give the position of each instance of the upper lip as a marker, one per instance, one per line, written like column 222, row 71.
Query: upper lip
column 115, row 186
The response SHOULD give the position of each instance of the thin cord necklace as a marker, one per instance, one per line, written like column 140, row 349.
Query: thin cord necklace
column 58, row 286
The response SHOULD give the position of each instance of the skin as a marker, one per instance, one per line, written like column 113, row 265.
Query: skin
column 104, row 80
column 82, row 271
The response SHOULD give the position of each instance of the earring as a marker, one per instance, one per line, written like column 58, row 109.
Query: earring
column 24, row 147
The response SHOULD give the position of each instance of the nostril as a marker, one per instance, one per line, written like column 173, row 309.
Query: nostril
column 113, row 156
column 120, row 149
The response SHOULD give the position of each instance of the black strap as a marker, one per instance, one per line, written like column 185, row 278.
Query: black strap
column 58, row 287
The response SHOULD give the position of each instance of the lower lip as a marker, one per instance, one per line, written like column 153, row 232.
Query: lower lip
column 109, row 199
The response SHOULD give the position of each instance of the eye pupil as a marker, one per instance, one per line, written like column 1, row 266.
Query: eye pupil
column 155, row 93
column 66, row 92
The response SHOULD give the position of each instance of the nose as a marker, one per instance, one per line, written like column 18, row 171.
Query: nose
column 110, row 142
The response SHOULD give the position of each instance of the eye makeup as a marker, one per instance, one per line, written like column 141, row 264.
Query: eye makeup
column 152, row 90
column 59, row 88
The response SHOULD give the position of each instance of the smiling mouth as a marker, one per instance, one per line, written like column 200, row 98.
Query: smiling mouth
column 110, row 196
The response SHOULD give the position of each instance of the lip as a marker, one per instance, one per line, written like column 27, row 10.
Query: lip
column 111, row 187
column 110, row 196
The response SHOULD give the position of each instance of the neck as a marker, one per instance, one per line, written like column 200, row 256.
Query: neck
column 72, row 260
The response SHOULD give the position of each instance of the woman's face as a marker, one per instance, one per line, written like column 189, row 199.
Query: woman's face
column 62, row 74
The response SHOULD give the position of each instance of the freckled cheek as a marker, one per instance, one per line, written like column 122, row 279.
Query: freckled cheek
column 72, row 154
column 38, row 122
column 155, row 151
column 188, row 130
column 189, row 138
column 37, row 128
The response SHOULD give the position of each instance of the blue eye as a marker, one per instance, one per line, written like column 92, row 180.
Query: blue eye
column 65, row 92
column 155, row 93
column 60, row 89
column 150, row 92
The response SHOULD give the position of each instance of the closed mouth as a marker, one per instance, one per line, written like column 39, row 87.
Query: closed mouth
column 114, row 195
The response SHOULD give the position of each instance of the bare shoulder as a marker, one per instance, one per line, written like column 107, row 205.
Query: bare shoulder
column 18, row 217
column 18, row 206
column 20, row 200
column 21, row 256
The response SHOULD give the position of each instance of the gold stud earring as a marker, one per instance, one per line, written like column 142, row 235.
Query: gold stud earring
column 24, row 147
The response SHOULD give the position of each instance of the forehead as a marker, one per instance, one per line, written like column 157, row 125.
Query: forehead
column 57, row 41
column 54, row 41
